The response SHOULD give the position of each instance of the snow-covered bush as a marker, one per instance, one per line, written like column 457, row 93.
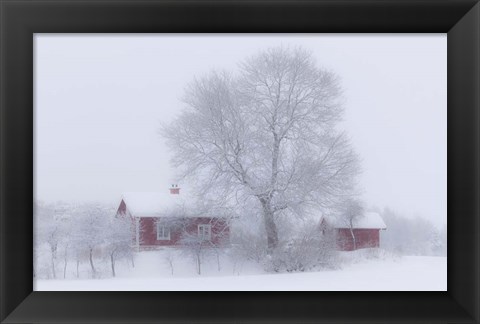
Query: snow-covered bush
column 248, row 245
column 412, row 236
column 302, row 246
column 308, row 249
column 248, row 241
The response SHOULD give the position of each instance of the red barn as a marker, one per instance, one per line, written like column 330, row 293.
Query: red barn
column 168, row 219
column 366, row 231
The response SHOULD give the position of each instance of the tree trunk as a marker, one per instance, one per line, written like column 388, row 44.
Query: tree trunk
column 65, row 269
column 353, row 239
column 112, row 260
column 53, row 264
column 91, row 262
column 218, row 261
column 199, row 269
column 78, row 262
column 65, row 263
column 270, row 226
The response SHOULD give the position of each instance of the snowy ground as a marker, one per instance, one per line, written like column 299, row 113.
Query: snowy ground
column 153, row 273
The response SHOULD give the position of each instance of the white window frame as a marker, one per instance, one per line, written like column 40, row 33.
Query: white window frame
column 161, row 229
column 202, row 231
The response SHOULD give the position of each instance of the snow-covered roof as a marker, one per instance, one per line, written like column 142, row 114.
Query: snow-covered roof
column 369, row 220
column 154, row 204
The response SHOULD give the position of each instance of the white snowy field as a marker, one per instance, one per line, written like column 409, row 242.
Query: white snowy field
column 357, row 273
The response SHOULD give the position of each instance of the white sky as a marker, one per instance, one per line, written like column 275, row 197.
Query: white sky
column 99, row 101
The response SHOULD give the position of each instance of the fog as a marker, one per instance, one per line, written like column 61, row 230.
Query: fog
column 100, row 99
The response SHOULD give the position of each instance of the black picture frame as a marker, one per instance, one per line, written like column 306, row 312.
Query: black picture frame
column 20, row 19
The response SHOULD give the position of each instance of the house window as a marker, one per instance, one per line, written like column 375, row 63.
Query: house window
column 205, row 231
column 163, row 233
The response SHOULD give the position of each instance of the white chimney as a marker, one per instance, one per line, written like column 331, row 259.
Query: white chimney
column 174, row 189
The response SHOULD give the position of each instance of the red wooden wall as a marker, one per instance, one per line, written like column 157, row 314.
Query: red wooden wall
column 364, row 238
column 148, row 230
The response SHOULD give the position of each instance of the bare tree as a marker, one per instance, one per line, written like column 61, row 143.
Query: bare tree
column 49, row 230
column 90, row 223
column 119, row 235
column 266, row 135
column 80, row 232
column 170, row 258
column 196, row 247
column 350, row 211
column 65, row 260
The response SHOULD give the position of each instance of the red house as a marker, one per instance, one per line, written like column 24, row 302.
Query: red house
column 169, row 219
column 366, row 231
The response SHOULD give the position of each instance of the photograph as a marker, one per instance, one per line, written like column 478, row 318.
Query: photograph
column 240, row 162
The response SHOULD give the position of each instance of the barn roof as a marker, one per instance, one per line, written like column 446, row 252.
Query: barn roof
column 369, row 220
column 154, row 204
column 165, row 204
